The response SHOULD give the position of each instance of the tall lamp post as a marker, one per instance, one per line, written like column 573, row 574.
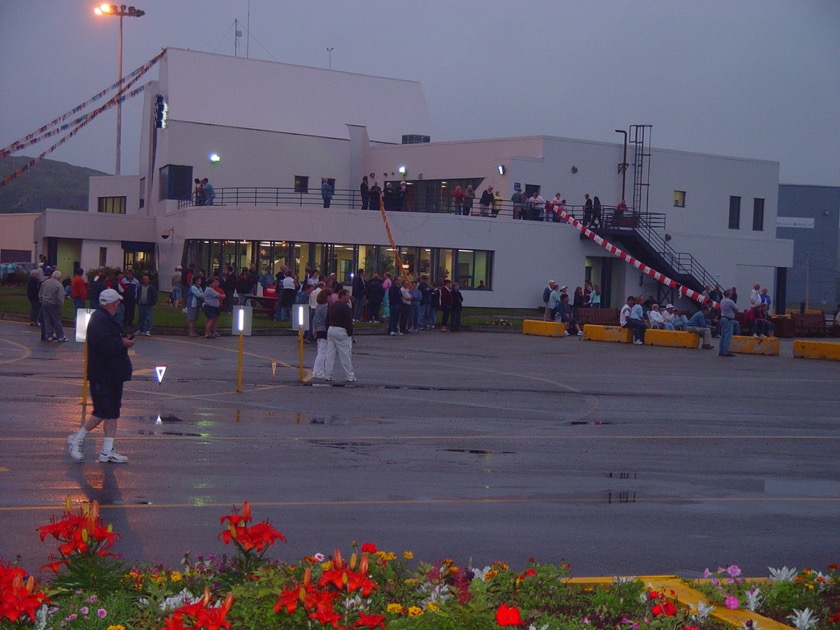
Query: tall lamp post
column 120, row 11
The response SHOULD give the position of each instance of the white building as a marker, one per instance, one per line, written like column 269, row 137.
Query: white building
column 278, row 129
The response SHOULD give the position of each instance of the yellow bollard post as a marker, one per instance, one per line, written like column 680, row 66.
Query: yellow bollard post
column 300, row 354
column 84, row 382
column 239, row 364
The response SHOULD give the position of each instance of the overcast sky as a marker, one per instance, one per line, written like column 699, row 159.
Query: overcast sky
column 745, row 78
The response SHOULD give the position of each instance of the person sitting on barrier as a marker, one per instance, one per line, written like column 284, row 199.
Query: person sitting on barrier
column 761, row 323
column 677, row 320
column 700, row 324
column 632, row 317
column 564, row 314
column 553, row 301
column 657, row 320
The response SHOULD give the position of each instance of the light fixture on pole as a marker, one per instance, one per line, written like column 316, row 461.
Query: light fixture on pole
column 329, row 52
column 120, row 11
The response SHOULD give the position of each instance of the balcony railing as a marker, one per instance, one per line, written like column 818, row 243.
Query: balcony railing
column 424, row 203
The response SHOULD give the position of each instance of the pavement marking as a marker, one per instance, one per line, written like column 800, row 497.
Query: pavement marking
column 26, row 352
column 373, row 438
column 359, row 502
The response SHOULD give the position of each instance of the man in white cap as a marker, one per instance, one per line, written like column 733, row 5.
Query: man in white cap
column 108, row 368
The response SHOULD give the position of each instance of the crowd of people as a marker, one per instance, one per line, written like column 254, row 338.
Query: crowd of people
column 203, row 192
column 46, row 292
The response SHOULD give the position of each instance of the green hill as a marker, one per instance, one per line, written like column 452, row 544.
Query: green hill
column 49, row 184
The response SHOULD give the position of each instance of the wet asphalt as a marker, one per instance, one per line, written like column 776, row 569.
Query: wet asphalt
column 473, row 446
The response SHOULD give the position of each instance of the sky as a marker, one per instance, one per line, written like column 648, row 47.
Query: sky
column 756, row 79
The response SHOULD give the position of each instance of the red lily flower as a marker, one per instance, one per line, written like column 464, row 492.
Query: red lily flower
column 370, row 621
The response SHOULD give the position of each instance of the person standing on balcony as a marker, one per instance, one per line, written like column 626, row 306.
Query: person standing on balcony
column 469, row 198
column 209, row 192
column 375, row 195
column 486, row 201
column 198, row 192
column 458, row 196
column 516, row 199
column 326, row 192
column 587, row 211
column 597, row 212
column 364, row 190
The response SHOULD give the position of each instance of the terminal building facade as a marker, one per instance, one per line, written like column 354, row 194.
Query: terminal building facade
column 270, row 133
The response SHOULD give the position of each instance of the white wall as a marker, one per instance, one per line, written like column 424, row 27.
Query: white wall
column 127, row 186
column 16, row 232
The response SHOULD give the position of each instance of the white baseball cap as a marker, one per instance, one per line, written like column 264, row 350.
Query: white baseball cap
column 109, row 296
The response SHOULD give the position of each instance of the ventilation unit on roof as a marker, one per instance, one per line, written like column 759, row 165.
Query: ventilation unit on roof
column 416, row 139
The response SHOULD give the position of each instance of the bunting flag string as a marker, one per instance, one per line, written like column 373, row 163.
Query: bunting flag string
column 124, row 84
column 397, row 259
column 659, row 277
column 120, row 97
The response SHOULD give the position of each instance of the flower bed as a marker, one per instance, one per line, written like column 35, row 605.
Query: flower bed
column 371, row 588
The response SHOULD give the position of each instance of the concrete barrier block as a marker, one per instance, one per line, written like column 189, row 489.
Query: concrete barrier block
column 768, row 346
column 595, row 332
column 543, row 329
column 671, row 338
column 829, row 350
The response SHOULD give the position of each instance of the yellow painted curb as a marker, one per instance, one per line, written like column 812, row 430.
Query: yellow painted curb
column 752, row 345
column 543, row 329
column 687, row 596
column 817, row 349
column 671, row 338
column 595, row 332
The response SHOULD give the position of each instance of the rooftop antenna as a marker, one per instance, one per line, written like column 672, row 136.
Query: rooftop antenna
column 329, row 52
column 236, row 35
column 248, row 28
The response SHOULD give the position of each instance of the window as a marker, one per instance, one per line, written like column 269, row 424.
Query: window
column 112, row 205
column 679, row 199
column 301, row 184
column 103, row 256
column 758, row 215
column 734, row 213
column 176, row 182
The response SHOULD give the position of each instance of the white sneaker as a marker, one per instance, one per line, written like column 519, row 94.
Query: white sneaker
column 580, row 333
column 565, row 333
column 112, row 457
column 74, row 447
column 638, row 342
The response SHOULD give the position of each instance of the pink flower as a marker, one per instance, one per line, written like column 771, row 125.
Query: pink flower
column 731, row 602
column 734, row 570
column 84, row 610
column 707, row 574
column 102, row 613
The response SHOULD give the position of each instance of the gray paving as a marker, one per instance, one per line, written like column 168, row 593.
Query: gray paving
column 474, row 446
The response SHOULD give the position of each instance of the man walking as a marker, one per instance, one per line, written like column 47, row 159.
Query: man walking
column 340, row 337
column 146, row 300
column 108, row 368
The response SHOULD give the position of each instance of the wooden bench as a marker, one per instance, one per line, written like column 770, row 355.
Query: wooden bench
column 616, row 334
column 829, row 350
column 599, row 316
column 809, row 324
column 671, row 338
column 543, row 329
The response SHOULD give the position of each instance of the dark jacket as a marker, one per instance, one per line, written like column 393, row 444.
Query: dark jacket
column 358, row 287
column 151, row 295
column 108, row 360
column 374, row 291
column 340, row 314
column 32, row 288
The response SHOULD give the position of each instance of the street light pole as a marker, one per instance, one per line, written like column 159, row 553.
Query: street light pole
column 121, row 12
column 329, row 51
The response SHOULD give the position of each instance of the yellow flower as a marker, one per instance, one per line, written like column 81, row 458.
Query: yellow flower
column 490, row 575
column 119, row 626
column 396, row 609
column 327, row 566
column 414, row 611
column 175, row 576
column 453, row 570
column 408, row 555
column 432, row 607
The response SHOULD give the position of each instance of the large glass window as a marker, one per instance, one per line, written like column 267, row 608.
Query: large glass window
column 472, row 269
column 734, row 213
column 112, row 205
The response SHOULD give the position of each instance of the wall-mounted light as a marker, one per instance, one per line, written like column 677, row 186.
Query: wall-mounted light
column 501, row 168
column 215, row 158
column 402, row 170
